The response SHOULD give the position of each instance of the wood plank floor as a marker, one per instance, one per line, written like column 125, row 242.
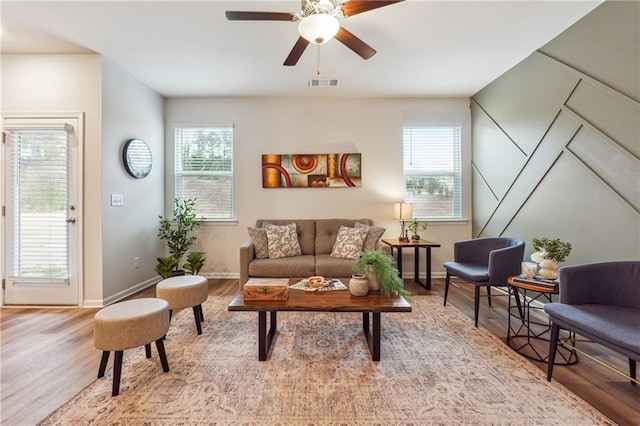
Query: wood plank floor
column 47, row 356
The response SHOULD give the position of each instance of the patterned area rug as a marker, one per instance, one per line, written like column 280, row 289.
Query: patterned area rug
column 436, row 368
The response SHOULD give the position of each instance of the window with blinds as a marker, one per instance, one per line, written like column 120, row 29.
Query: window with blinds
column 204, row 169
column 432, row 171
column 39, row 196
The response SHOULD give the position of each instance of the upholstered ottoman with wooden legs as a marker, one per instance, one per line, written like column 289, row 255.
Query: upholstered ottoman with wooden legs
column 185, row 291
column 127, row 325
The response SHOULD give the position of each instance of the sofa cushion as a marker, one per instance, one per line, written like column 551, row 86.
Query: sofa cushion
column 349, row 242
column 327, row 232
column 374, row 233
column 283, row 241
column 333, row 267
column 260, row 242
column 306, row 229
column 285, row 267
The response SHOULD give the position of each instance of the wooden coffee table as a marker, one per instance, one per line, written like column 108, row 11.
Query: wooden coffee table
column 322, row 301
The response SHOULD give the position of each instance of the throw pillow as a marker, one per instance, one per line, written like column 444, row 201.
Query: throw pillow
column 260, row 243
column 283, row 241
column 374, row 233
column 349, row 242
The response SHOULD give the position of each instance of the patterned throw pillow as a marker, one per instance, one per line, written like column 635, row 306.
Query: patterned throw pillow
column 349, row 242
column 283, row 241
column 374, row 233
column 260, row 243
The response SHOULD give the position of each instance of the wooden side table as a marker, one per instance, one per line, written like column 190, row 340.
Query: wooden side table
column 416, row 245
column 530, row 336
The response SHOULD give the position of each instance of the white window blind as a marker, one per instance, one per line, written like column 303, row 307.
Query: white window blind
column 204, row 169
column 39, row 176
column 432, row 171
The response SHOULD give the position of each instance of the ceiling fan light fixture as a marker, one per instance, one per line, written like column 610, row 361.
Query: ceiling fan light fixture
column 318, row 28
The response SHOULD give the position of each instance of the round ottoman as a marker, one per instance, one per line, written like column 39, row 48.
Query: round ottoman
column 127, row 325
column 185, row 291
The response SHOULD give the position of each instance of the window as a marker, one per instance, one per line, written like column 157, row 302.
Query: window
column 432, row 171
column 39, row 198
column 204, row 169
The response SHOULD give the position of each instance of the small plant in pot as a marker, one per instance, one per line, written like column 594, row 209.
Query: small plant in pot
column 414, row 226
column 165, row 266
column 195, row 262
column 381, row 265
column 178, row 233
column 549, row 253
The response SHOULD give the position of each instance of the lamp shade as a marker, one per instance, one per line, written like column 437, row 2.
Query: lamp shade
column 402, row 211
column 318, row 28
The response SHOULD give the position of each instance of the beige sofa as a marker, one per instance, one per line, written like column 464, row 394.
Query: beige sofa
column 316, row 238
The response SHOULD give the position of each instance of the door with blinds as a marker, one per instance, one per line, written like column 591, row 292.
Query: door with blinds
column 41, row 210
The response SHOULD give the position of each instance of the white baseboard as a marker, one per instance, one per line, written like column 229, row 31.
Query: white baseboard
column 97, row 303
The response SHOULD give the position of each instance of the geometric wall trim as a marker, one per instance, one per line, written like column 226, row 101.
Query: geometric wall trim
column 612, row 114
column 620, row 171
column 538, row 165
column 579, row 178
column 571, row 204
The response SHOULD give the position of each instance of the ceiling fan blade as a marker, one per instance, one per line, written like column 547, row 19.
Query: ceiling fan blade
column 259, row 16
column 296, row 52
column 355, row 44
column 354, row 7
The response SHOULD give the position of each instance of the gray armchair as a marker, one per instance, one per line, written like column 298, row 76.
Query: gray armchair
column 601, row 302
column 485, row 262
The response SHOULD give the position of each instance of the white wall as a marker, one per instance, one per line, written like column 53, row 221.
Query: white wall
column 372, row 127
column 66, row 83
column 130, row 110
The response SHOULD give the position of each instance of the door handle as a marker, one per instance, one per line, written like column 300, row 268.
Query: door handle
column 71, row 220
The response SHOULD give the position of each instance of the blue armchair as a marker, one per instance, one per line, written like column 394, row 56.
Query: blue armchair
column 485, row 262
column 601, row 302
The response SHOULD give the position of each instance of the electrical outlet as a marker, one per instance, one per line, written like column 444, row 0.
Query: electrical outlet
column 117, row 200
column 136, row 262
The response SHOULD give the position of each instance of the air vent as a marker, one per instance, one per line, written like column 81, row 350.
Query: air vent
column 323, row 82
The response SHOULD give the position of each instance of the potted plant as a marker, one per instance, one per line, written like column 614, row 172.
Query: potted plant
column 414, row 226
column 381, row 265
column 165, row 266
column 178, row 233
column 195, row 262
column 549, row 253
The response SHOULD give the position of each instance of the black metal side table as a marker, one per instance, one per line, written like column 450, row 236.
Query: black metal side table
column 529, row 335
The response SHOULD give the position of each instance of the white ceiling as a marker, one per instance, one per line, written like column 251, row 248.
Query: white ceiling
column 181, row 48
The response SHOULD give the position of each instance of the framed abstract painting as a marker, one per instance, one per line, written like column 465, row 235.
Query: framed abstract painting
column 311, row 170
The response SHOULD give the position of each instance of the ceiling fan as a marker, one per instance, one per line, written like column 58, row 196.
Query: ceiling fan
column 319, row 24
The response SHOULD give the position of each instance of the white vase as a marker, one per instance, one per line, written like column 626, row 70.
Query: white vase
column 374, row 285
column 538, row 256
column 359, row 285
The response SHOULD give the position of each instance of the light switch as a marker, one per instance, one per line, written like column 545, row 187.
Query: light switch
column 117, row 200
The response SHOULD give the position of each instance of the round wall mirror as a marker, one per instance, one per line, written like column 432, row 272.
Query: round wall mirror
column 136, row 157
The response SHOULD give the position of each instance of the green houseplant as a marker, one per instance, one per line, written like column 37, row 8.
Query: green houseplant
column 555, row 250
column 549, row 253
column 165, row 266
column 178, row 233
column 414, row 226
column 195, row 262
column 382, row 266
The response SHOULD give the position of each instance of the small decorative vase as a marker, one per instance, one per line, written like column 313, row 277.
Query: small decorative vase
column 359, row 285
column 415, row 237
column 538, row 256
column 374, row 285
column 548, row 269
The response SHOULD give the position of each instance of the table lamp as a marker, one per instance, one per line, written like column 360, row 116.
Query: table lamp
column 403, row 212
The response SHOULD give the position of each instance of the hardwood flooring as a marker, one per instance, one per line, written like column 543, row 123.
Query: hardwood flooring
column 47, row 356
